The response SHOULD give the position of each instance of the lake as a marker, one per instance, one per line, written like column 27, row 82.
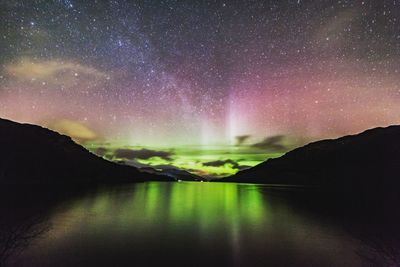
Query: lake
column 179, row 224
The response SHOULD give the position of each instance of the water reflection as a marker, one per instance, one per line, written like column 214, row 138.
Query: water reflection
column 16, row 234
column 186, row 224
column 21, row 221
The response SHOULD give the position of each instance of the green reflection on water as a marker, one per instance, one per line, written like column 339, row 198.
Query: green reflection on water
column 207, row 205
column 234, row 223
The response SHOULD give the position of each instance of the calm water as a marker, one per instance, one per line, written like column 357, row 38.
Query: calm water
column 185, row 224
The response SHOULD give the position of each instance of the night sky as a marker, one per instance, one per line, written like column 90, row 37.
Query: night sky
column 175, row 73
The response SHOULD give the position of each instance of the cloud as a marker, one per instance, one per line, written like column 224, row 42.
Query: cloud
column 59, row 72
column 131, row 154
column 221, row 163
column 240, row 139
column 76, row 130
column 100, row 151
column 273, row 143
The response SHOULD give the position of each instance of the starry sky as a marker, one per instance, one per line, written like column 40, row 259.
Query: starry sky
column 261, row 75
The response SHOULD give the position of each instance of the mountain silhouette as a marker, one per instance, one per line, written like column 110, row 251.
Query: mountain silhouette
column 31, row 154
column 366, row 163
column 176, row 174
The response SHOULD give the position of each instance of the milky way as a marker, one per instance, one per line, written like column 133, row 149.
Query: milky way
column 169, row 73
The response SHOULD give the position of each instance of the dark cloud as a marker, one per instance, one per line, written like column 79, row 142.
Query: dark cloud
column 142, row 154
column 100, row 151
column 272, row 143
column 220, row 163
column 240, row 139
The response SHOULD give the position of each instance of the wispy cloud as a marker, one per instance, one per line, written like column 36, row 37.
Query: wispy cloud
column 52, row 71
column 76, row 130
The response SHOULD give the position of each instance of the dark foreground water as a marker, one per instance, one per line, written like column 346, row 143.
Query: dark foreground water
column 181, row 224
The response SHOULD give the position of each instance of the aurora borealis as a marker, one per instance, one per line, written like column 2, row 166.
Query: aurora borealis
column 190, row 77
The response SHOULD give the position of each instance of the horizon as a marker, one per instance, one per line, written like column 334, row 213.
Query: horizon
column 210, row 162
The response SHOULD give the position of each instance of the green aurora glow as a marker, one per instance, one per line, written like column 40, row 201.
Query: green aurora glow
column 194, row 159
